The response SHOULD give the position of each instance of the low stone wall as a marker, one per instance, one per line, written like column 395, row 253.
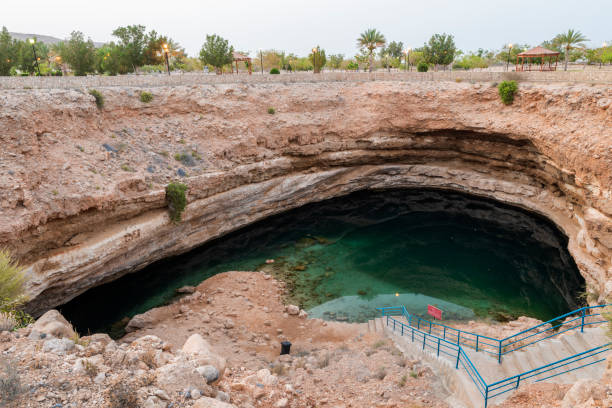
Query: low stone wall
column 152, row 80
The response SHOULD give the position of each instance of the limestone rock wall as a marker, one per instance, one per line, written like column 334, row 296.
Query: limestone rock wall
column 82, row 189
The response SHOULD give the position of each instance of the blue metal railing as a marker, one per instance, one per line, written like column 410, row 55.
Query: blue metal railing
column 581, row 318
column 453, row 349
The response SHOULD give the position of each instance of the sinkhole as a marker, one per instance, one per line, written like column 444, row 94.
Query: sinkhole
column 472, row 257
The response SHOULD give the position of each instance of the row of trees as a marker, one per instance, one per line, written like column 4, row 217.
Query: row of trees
column 135, row 49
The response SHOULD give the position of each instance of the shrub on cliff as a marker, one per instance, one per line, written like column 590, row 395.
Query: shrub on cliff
column 12, row 281
column 507, row 90
column 98, row 96
column 176, row 199
column 146, row 97
column 422, row 67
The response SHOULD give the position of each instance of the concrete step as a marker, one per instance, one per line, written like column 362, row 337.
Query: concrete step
column 546, row 351
column 578, row 344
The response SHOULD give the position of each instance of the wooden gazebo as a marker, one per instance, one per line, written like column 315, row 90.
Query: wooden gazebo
column 525, row 59
column 242, row 58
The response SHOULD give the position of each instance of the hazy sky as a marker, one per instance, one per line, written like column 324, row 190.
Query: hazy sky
column 296, row 26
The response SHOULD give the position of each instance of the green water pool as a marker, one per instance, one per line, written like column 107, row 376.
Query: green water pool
column 471, row 257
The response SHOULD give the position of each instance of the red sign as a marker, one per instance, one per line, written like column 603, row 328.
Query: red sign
column 434, row 311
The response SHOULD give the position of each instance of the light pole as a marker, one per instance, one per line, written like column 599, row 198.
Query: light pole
column 165, row 47
column 261, row 60
column 387, row 62
column 408, row 58
column 32, row 41
column 509, row 52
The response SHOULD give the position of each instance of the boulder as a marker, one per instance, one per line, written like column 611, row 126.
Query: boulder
column 206, row 402
column 186, row 289
column 140, row 321
column 201, row 350
column 293, row 310
column 196, row 344
column 581, row 392
column 266, row 378
column 176, row 377
column 58, row 346
column 210, row 373
column 54, row 324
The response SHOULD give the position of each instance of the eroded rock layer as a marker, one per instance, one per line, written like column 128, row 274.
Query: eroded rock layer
column 82, row 190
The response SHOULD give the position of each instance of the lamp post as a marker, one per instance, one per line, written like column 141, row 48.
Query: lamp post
column 261, row 60
column 166, row 52
column 387, row 62
column 509, row 52
column 32, row 41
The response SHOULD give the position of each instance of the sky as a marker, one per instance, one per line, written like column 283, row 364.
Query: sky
column 298, row 25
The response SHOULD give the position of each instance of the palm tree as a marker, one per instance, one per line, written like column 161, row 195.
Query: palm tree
column 371, row 39
column 569, row 40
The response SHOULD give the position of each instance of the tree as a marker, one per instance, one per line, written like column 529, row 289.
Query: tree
column 440, row 50
column 335, row 61
column 7, row 52
column 108, row 59
column 24, row 55
column 571, row 39
column 132, row 40
column 509, row 54
column 371, row 39
column 78, row 53
column 393, row 50
column 153, row 51
column 217, row 52
column 470, row 61
column 319, row 60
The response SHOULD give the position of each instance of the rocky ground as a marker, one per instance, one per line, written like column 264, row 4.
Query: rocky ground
column 218, row 346
column 172, row 356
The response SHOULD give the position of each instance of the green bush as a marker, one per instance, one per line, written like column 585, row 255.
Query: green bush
column 12, row 280
column 353, row 66
column 99, row 98
column 146, row 97
column 271, row 111
column 274, row 71
column 422, row 67
column 176, row 199
column 507, row 90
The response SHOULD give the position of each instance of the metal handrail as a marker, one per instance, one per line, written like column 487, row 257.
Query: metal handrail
column 488, row 391
column 462, row 356
column 500, row 347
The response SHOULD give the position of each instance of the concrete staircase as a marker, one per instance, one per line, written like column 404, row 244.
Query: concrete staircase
column 376, row 326
column 536, row 355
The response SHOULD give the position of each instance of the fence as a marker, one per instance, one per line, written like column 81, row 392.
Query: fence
column 428, row 333
column 580, row 318
column 191, row 79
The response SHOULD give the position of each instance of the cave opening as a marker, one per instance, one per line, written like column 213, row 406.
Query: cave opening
column 473, row 257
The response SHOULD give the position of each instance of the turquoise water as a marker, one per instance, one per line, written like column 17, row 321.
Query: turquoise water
column 472, row 257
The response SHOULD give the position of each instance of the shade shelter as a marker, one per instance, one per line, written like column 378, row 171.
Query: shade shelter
column 240, row 58
column 526, row 59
